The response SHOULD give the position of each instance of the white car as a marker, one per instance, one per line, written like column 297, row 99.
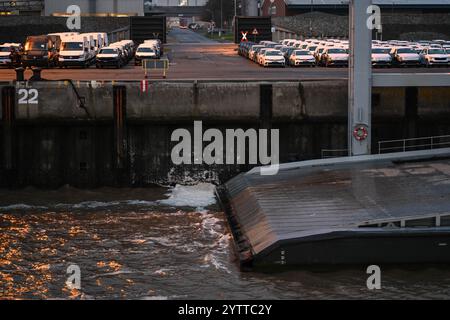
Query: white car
column 433, row 57
column 302, row 58
column 157, row 44
column 109, row 56
column 145, row 51
column 271, row 58
column 259, row 54
column 381, row 56
column 252, row 52
column 334, row 57
column 285, row 42
column 311, row 48
column 405, row 56
column 5, row 55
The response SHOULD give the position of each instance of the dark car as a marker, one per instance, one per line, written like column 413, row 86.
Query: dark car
column 244, row 48
column 10, row 55
column 41, row 51
column 194, row 26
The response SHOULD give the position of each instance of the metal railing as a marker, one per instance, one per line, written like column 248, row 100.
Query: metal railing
column 413, row 144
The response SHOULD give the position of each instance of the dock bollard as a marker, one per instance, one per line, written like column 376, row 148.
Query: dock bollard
column 36, row 74
column 20, row 74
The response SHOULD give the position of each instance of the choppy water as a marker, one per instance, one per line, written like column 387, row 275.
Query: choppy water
column 130, row 245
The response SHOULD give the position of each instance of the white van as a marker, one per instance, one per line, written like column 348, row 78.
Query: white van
column 95, row 39
column 105, row 39
column 100, row 39
column 129, row 48
column 63, row 35
column 76, row 51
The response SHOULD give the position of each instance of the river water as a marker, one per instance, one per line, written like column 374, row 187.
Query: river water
column 161, row 243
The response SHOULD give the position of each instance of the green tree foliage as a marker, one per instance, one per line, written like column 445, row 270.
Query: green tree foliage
column 213, row 11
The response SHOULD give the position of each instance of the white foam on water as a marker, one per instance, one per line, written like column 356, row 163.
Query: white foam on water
column 115, row 273
column 164, row 297
column 158, row 298
column 212, row 227
column 139, row 203
column 103, row 204
column 212, row 259
column 199, row 196
column 163, row 272
column 210, row 224
column 94, row 204
column 21, row 206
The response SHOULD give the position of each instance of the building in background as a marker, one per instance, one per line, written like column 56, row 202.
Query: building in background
column 281, row 8
column 28, row 8
column 175, row 8
column 96, row 7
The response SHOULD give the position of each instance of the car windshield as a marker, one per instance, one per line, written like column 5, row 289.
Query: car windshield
column 148, row 50
column 5, row 49
column 108, row 51
column 436, row 51
column 406, row 50
column 302, row 53
column 273, row 53
column 337, row 51
column 33, row 45
column 313, row 48
column 380, row 50
column 72, row 46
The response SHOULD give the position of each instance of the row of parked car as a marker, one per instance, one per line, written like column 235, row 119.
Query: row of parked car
column 73, row 49
column 121, row 53
column 335, row 52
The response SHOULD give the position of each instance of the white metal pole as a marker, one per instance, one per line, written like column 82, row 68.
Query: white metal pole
column 360, row 79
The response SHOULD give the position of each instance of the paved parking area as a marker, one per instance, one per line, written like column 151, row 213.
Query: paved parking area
column 194, row 57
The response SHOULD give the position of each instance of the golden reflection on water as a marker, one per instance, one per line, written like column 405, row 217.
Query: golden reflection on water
column 36, row 249
column 17, row 279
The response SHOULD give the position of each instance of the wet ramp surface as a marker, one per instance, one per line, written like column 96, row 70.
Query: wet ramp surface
column 316, row 200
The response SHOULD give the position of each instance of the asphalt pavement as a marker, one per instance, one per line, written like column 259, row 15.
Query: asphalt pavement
column 195, row 57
